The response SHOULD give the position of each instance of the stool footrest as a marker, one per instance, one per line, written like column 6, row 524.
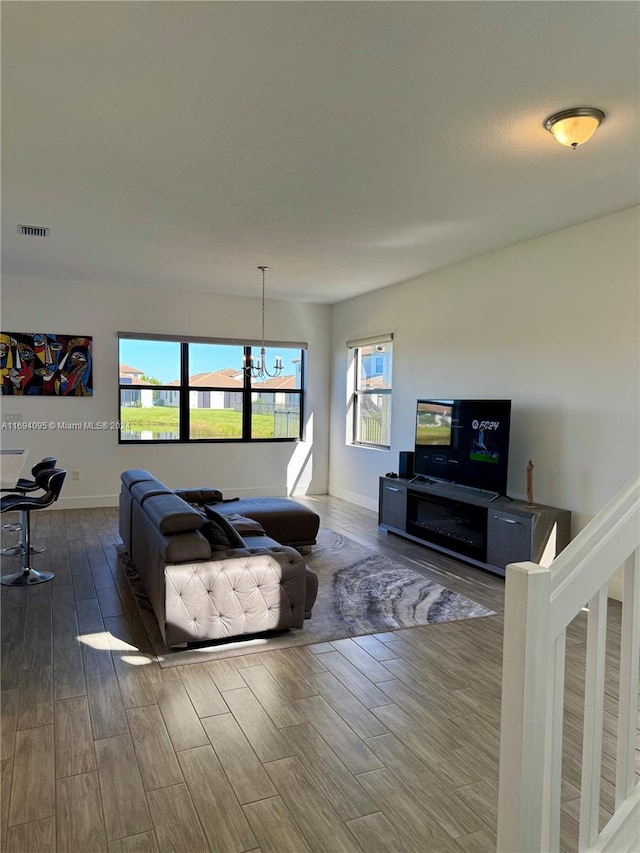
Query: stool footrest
column 18, row 551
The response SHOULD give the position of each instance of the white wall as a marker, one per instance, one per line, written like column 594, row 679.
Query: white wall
column 551, row 324
column 274, row 468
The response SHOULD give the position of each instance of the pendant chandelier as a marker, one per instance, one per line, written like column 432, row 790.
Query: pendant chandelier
column 258, row 369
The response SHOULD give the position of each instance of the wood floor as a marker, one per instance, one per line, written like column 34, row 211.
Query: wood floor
column 379, row 743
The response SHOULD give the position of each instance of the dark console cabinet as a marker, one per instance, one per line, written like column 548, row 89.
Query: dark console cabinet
column 393, row 503
column 466, row 523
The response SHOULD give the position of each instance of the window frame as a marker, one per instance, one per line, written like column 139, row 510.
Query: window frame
column 357, row 394
column 249, row 387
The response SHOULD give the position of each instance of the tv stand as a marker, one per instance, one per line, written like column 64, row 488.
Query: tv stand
column 476, row 490
column 485, row 529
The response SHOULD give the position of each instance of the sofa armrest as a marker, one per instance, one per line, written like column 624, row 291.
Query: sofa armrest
column 241, row 591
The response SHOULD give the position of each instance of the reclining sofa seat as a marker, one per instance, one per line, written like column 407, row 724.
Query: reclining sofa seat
column 202, row 594
column 285, row 520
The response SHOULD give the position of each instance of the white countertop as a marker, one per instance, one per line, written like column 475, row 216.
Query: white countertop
column 11, row 465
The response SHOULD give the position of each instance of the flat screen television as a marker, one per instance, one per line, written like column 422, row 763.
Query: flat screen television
column 464, row 442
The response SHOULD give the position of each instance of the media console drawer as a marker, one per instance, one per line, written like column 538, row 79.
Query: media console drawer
column 509, row 537
column 393, row 503
column 469, row 524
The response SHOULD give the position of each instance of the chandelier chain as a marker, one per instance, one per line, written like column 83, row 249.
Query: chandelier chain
column 260, row 370
column 264, row 269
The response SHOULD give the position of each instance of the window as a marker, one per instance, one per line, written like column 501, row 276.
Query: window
column 198, row 390
column 370, row 381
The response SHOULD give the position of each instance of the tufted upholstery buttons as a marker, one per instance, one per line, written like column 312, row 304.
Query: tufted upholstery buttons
column 197, row 595
column 262, row 591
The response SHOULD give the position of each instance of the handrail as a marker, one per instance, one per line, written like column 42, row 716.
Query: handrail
column 594, row 555
column 540, row 603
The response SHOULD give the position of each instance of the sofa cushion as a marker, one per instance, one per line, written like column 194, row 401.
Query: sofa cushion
column 220, row 534
column 261, row 540
column 170, row 514
column 201, row 495
column 184, row 548
column 285, row 520
column 135, row 475
column 148, row 489
column 241, row 523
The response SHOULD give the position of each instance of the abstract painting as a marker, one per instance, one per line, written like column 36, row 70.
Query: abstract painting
column 43, row 364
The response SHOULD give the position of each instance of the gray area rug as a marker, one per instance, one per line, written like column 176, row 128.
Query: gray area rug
column 359, row 592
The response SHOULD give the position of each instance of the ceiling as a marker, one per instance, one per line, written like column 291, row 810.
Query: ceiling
column 348, row 145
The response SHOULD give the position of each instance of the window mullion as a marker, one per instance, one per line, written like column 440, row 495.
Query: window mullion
column 301, row 395
column 246, row 397
column 184, row 392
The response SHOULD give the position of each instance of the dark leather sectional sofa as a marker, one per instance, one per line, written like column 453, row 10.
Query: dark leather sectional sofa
column 211, row 575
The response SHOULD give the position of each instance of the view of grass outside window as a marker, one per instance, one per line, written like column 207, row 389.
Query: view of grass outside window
column 196, row 391
column 215, row 394
column 372, row 387
column 270, row 419
column 275, row 400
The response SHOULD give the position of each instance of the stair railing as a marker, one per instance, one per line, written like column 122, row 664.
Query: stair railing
column 540, row 602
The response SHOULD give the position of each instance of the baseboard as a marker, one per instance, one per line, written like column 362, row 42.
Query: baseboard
column 96, row 501
column 354, row 498
column 254, row 492
column 86, row 502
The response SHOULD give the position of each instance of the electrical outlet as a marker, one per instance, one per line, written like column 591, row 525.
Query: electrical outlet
column 76, row 475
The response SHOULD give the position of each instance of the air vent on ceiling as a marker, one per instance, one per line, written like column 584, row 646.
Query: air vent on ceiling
column 33, row 230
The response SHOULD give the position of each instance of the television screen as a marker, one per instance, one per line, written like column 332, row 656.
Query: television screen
column 464, row 442
column 433, row 422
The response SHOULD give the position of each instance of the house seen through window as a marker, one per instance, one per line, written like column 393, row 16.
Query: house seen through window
column 173, row 390
column 370, row 380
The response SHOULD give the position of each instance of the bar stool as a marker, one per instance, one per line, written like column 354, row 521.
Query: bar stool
column 23, row 486
column 50, row 480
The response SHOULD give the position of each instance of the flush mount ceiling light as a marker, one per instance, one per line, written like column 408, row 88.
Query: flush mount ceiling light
column 258, row 370
column 574, row 127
